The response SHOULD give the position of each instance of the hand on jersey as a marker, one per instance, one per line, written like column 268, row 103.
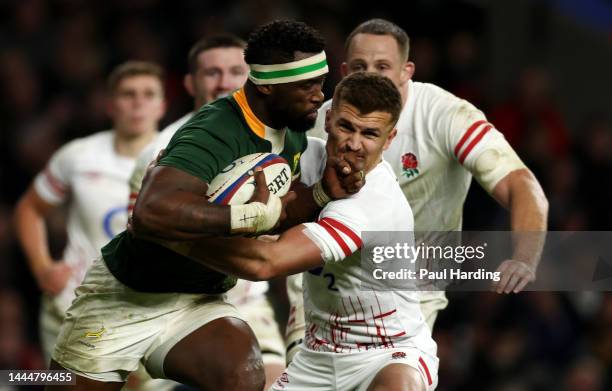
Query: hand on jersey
column 343, row 176
column 53, row 279
column 514, row 276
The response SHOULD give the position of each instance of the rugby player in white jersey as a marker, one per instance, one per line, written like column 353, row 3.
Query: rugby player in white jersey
column 90, row 176
column 442, row 142
column 216, row 68
column 356, row 339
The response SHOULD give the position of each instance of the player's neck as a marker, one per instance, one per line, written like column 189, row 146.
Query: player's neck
column 259, row 108
column 404, row 93
column 132, row 146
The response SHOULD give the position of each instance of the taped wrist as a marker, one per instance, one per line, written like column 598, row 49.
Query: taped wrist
column 255, row 217
column 319, row 194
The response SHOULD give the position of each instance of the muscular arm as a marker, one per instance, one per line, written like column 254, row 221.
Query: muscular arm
column 257, row 260
column 521, row 193
column 32, row 234
column 172, row 205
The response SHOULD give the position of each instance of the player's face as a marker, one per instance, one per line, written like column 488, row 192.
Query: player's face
column 296, row 104
column 220, row 71
column 357, row 136
column 379, row 54
column 137, row 105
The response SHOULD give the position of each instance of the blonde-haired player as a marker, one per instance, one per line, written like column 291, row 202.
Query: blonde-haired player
column 90, row 176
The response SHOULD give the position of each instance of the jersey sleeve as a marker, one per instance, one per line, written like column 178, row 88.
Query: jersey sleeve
column 337, row 232
column 53, row 183
column 200, row 152
column 318, row 130
column 313, row 161
column 475, row 144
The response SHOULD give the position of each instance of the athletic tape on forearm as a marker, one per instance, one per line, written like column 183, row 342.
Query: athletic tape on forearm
column 319, row 195
column 255, row 217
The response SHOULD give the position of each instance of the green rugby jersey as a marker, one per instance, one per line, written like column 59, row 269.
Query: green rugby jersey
column 218, row 134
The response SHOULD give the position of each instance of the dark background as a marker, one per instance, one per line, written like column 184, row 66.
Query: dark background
column 541, row 71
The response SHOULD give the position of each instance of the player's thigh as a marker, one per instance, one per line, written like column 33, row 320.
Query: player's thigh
column 397, row 377
column 83, row 383
column 220, row 355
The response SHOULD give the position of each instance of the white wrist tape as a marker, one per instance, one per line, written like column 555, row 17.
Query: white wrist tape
column 319, row 194
column 255, row 217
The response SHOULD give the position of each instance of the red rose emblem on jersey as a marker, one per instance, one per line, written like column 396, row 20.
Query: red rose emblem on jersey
column 409, row 161
column 409, row 165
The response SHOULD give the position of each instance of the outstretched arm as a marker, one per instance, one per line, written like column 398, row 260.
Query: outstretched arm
column 256, row 260
column 521, row 193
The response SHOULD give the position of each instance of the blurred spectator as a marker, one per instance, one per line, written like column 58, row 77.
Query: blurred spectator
column 530, row 110
column 15, row 350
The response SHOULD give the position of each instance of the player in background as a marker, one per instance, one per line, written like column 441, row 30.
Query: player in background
column 144, row 302
column 443, row 142
column 356, row 338
column 90, row 176
column 216, row 68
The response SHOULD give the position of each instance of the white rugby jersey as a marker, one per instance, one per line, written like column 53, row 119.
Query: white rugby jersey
column 439, row 139
column 340, row 317
column 92, row 177
column 244, row 291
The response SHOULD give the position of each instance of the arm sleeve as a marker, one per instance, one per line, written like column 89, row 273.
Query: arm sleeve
column 475, row 143
column 53, row 183
column 313, row 161
column 200, row 152
column 337, row 232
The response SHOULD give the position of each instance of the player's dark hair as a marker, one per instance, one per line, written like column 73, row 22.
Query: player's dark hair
column 212, row 42
column 134, row 68
column 277, row 42
column 369, row 92
column 381, row 27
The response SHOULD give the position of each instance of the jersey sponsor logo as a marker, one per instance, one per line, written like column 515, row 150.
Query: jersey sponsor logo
column 410, row 165
column 114, row 221
column 95, row 334
column 296, row 160
column 282, row 380
column 398, row 355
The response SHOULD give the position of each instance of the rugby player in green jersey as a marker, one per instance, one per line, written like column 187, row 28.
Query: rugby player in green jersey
column 142, row 301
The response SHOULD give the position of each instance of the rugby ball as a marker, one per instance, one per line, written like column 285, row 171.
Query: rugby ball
column 235, row 184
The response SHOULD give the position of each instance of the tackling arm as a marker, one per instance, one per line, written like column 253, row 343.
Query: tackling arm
column 256, row 260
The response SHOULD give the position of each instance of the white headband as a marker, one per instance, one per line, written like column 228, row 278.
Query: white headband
column 289, row 72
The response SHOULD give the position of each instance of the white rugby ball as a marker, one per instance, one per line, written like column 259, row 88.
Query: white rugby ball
column 235, row 184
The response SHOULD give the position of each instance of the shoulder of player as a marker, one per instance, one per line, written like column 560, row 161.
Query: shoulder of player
column 96, row 142
column 219, row 117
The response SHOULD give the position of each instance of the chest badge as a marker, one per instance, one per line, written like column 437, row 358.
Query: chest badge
column 410, row 165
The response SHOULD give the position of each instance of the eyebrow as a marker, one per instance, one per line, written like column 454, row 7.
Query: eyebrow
column 348, row 124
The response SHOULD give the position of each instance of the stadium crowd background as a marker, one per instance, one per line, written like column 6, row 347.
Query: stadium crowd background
column 540, row 70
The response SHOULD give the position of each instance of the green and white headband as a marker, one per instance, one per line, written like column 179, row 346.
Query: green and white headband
column 289, row 72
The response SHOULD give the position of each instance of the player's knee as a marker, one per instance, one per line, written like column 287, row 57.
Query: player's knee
column 248, row 375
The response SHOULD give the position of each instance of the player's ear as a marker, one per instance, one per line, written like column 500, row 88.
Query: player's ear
column 407, row 72
column 188, row 84
column 327, row 120
column 344, row 69
column 390, row 138
column 265, row 89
